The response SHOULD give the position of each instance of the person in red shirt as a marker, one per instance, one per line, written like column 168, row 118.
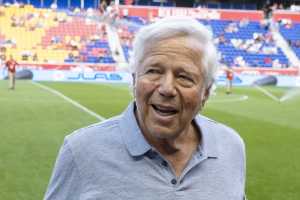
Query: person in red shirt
column 229, row 79
column 11, row 68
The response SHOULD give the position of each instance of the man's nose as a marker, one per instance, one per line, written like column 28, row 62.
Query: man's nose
column 167, row 86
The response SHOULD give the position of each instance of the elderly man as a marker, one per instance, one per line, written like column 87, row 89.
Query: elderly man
column 160, row 148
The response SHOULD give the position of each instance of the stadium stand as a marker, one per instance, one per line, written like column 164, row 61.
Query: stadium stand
column 226, row 5
column 244, row 43
column 247, row 43
column 291, row 32
column 35, row 35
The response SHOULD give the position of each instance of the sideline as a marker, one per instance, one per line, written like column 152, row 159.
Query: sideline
column 238, row 98
column 290, row 94
column 71, row 101
column 267, row 93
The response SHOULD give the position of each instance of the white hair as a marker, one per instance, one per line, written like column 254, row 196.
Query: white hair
column 171, row 27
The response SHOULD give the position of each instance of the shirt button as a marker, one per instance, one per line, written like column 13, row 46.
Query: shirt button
column 164, row 163
column 151, row 154
column 173, row 181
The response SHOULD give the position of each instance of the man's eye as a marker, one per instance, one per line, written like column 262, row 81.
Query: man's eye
column 186, row 78
column 152, row 71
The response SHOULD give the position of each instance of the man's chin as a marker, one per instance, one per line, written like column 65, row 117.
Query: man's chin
column 163, row 133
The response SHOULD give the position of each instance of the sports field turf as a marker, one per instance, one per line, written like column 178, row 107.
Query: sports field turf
column 33, row 123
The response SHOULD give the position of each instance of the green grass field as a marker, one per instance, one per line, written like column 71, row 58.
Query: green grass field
column 33, row 123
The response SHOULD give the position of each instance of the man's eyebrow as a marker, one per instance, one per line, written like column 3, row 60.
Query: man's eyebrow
column 188, row 72
column 153, row 62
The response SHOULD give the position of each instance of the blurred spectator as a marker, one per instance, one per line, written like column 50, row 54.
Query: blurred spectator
column 267, row 9
column 232, row 28
column 73, row 44
column 297, row 44
column 236, row 43
column 53, row 6
column 286, row 23
column 276, row 64
column 222, row 39
column 35, row 57
column 70, row 56
column 90, row 12
column 295, row 8
column 102, row 7
column 265, row 24
column 2, row 11
column 112, row 12
column 269, row 50
column 244, row 22
column 239, row 61
column 11, row 67
column 268, row 37
column 267, row 60
column 2, row 63
column 76, row 11
column 229, row 80
column 55, row 40
column 280, row 6
column 25, row 55
column 10, row 43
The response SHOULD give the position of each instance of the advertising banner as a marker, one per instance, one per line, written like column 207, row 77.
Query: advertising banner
column 200, row 13
column 73, row 76
column 240, row 79
column 286, row 78
column 68, row 66
column 248, row 80
column 293, row 16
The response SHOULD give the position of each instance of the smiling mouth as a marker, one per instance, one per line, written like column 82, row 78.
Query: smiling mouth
column 164, row 110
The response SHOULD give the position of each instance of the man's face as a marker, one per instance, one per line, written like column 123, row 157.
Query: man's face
column 168, row 88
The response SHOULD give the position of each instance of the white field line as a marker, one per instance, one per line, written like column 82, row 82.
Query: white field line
column 267, row 93
column 238, row 98
column 71, row 101
column 290, row 94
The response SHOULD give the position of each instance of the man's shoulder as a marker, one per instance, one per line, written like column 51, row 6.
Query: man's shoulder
column 95, row 133
column 222, row 132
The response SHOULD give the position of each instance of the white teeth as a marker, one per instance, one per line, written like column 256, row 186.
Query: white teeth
column 164, row 110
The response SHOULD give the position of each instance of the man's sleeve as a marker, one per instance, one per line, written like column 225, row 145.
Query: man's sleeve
column 244, row 171
column 65, row 180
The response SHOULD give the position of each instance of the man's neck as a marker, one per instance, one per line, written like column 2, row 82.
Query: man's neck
column 178, row 151
column 173, row 145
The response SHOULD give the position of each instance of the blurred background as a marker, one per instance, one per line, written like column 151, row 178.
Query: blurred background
column 72, row 70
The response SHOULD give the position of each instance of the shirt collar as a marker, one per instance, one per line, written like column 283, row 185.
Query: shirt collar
column 209, row 144
column 131, row 133
column 137, row 145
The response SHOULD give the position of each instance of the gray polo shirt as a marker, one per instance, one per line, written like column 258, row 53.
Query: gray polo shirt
column 112, row 160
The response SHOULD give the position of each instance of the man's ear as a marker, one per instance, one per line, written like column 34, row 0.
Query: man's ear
column 133, row 83
column 206, row 94
column 133, row 79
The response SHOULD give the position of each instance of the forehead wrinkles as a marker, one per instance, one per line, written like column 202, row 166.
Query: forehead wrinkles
column 187, row 47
